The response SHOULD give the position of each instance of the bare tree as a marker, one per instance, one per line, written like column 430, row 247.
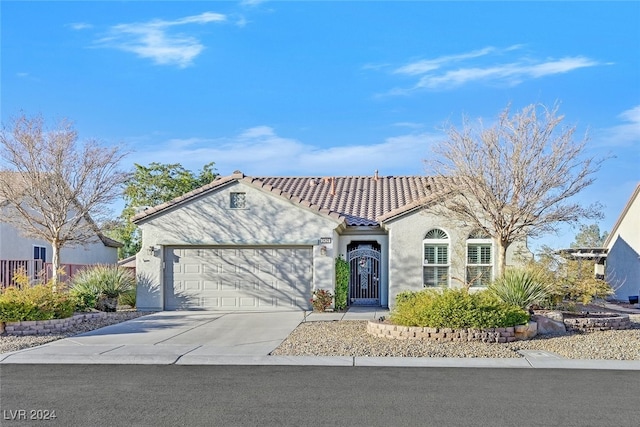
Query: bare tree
column 515, row 179
column 54, row 187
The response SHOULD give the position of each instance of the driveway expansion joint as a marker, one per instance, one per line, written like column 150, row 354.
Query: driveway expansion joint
column 111, row 349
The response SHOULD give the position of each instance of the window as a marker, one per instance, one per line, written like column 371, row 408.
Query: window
column 238, row 201
column 479, row 259
column 39, row 258
column 40, row 253
column 435, row 260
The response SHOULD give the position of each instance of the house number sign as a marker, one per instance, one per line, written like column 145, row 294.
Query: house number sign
column 325, row 240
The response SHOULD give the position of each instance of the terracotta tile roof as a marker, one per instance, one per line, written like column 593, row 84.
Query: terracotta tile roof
column 356, row 200
column 361, row 200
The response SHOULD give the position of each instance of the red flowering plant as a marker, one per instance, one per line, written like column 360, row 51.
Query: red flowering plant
column 321, row 299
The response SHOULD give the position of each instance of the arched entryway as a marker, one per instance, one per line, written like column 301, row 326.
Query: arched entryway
column 364, row 280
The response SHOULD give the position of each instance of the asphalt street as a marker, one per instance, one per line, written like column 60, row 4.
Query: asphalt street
column 227, row 395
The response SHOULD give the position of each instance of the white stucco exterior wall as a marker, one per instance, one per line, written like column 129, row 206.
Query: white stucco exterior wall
column 622, row 270
column 14, row 246
column 406, row 235
column 268, row 219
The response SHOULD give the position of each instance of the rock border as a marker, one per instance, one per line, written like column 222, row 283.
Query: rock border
column 47, row 327
column 490, row 335
column 601, row 322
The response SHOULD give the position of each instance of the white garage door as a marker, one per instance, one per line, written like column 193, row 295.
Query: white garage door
column 238, row 278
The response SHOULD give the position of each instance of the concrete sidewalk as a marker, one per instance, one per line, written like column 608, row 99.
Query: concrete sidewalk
column 209, row 338
column 354, row 313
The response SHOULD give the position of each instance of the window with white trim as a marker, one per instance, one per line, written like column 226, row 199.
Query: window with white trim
column 435, row 258
column 479, row 259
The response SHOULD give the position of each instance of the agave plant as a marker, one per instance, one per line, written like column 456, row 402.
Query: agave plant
column 102, row 282
column 521, row 288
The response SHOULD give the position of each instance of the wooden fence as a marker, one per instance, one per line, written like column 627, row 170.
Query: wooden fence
column 35, row 269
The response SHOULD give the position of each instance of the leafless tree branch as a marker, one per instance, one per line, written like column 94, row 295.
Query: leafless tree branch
column 53, row 186
column 516, row 179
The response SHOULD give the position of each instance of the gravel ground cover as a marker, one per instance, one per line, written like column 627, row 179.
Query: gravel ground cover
column 349, row 338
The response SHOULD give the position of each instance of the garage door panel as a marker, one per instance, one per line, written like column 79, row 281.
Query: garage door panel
column 229, row 285
column 210, row 302
column 247, row 302
column 229, row 302
column 238, row 278
column 209, row 285
column 192, row 268
column 192, row 285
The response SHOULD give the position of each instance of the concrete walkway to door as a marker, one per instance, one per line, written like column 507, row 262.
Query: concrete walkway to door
column 167, row 337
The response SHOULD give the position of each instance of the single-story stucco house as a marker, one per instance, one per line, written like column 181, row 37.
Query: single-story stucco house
column 265, row 243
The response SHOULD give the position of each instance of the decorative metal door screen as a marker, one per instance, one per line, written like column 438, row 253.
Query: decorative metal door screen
column 364, row 283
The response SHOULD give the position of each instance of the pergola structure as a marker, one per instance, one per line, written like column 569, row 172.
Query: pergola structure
column 597, row 255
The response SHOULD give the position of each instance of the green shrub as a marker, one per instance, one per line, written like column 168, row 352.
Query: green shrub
column 102, row 281
column 570, row 281
column 521, row 288
column 128, row 298
column 342, row 283
column 86, row 295
column 455, row 308
column 39, row 302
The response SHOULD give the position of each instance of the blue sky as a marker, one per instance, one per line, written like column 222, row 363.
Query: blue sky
column 325, row 88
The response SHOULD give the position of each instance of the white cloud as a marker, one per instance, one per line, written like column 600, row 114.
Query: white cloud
column 509, row 74
column 154, row 41
column 80, row 26
column 426, row 65
column 625, row 134
column 261, row 151
column 452, row 71
column 251, row 3
column 632, row 115
column 411, row 125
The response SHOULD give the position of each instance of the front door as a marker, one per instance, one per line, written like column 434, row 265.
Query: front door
column 364, row 281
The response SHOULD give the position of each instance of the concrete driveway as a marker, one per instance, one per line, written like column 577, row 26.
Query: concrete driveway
column 170, row 337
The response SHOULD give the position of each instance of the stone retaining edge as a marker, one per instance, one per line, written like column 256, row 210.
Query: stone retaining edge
column 47, row 327
column 499, row 335
column 613, row 322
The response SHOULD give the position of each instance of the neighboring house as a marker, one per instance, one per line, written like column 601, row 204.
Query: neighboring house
column 622, row 270
column 17, row 251
column 34, row 255
column 247, row 243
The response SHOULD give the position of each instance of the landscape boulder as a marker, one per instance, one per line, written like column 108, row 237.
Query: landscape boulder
column 548, row 325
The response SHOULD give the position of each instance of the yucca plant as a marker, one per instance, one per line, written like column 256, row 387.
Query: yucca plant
column 519, row 287
column 86, row 295
column 102, row 283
